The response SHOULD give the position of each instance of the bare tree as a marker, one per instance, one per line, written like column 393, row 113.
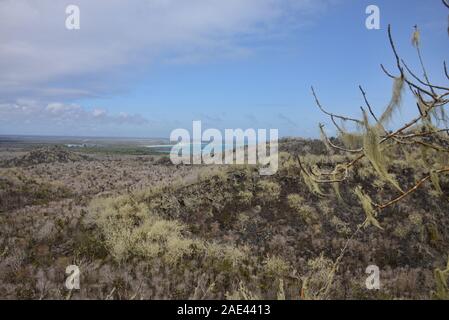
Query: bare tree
column 428, row 129
column 371, row 140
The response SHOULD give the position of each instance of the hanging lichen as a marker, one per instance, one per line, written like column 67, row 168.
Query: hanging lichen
column 395, row 102
column 441, row 282
column 436, row 182
column 442, row 158
column 336, row 185
column 416, row 38
column 444, row 118
column 311, row 184
column 350, row 140
column 366, row 202
column 325, row 139
column 371, row 147
column 424, row 110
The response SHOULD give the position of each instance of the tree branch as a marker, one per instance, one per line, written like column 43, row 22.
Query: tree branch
column 332, row 114
column 413, row 189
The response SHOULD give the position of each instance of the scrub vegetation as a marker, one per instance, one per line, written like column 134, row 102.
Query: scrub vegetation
column 139, row 227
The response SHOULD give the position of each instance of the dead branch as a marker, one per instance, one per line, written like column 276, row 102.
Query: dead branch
column 332, row 114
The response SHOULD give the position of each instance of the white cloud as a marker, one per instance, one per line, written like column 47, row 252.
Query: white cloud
column 61, row 114
column 42, row 62
column 99, row 112
column 41, row 59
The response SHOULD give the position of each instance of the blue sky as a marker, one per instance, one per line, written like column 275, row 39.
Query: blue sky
column 145, row 68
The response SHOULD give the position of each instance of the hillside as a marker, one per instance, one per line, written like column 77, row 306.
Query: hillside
column 48, row 154
column 213, row 233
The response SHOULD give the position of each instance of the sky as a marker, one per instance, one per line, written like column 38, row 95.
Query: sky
column 143, row 68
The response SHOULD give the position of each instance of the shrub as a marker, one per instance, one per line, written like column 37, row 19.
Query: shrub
column 402, row 230
column 295, row 201
column 442, row 285
column 226, row 255
column 297, row 204
column 318, row 278
column 268, row 191
column 130, row 229
column 242, row 293
column 245, row 197
column 176, row 248
column 340, row 226
column 415, row 219
column 276, row 267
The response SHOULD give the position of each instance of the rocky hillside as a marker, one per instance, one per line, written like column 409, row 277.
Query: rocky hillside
column 48, row 154
column 17, row 190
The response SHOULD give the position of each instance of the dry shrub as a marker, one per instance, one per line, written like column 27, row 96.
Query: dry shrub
column 268, row 191
column 306, row 212
column 131, row 230
column 320, row 273
column 277, row 267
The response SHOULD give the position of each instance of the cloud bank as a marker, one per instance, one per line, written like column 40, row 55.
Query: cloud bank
column 43, row 62
column 65, row 117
